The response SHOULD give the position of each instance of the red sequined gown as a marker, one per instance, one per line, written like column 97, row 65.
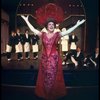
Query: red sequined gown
column 50, row 82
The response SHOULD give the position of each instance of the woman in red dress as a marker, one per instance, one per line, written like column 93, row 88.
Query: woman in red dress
column 50, row 82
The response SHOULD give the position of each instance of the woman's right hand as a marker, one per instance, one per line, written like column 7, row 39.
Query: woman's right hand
column 35, row 31
column 25, row 17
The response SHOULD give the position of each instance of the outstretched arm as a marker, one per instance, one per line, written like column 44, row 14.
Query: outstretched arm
column 35, row 31
column 66, row 32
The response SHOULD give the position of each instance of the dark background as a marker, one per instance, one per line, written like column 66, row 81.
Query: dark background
column 92, row 17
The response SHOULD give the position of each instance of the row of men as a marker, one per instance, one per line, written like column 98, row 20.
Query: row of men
column 74, row 55
column 19, row 41
column 77, row 59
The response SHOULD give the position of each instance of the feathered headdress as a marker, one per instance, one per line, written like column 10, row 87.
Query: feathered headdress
column 50, row 10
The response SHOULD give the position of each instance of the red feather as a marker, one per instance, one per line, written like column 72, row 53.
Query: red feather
column 49, row 11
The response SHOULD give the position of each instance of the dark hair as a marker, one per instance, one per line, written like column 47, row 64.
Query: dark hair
column 50, row 20
column 26, row 30
column 17, row 29
column 12, row 31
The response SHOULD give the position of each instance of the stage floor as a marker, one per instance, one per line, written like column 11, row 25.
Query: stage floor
column 29, row 63
column 22, row 64
column 27, row 93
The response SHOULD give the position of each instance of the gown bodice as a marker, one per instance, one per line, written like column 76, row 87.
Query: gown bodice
column 50, row 44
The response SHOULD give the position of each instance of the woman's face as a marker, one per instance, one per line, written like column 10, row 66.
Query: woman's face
column 50, row 26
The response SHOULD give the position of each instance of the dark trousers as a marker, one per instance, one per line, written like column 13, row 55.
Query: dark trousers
column 8, row 55
column 26, row 54
column 35, row 54
column 19, row 55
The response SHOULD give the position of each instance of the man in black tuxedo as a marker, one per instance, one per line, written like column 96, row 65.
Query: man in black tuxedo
column 92, row 61
column 35, row 48
column 10, row 45
column 73, row 39
column 19, row 44
column 78, row 58
column 27, row 43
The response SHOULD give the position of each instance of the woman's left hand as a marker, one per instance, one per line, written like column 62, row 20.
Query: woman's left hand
column 80, row 22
